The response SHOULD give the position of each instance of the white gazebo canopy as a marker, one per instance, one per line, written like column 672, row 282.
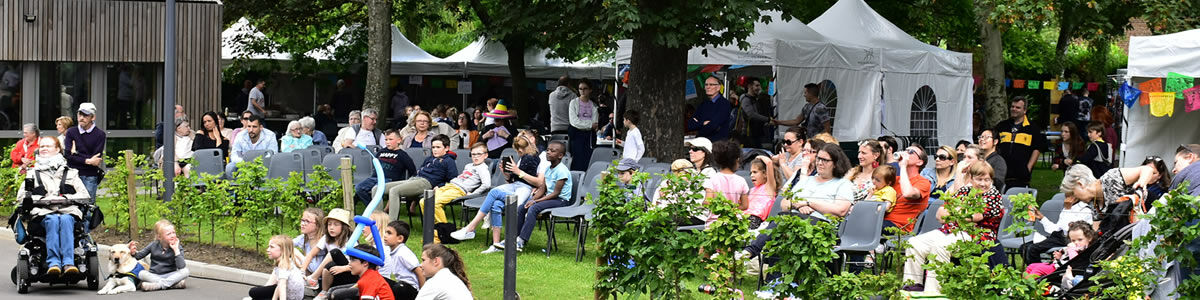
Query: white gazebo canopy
column 916, row 76
column 484, row 57
column 409, row 59
column 1154, row 57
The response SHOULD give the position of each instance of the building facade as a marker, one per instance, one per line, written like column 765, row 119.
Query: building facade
column 56, row 54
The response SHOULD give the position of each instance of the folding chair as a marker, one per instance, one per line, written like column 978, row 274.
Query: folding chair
column 284, row 164
column 861, row 230
column 551, row 238
column 209, row 161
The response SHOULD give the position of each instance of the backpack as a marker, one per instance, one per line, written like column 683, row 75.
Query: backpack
column 443, row 230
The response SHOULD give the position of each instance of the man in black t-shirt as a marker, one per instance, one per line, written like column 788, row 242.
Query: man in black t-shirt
column 1020, row 143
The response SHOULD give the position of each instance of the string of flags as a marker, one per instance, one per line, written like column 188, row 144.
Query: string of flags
column 1050, row 85
column 1161, row 93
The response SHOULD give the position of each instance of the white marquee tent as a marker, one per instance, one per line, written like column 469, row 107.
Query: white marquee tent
column 484, row 57
column 1153, row 57
column 235, row 35
column 409, row 59
column 800, row 55
column 908, row 65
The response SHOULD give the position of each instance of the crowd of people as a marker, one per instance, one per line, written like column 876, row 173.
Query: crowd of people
column 809, row 162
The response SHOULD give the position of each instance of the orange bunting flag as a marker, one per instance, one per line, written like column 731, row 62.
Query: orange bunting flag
column 1150, row 86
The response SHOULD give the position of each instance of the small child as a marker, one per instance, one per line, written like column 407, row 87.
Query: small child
column 762, row 196
column 370, row 284
column 168, row 268
column 333, row 270
column 381, row 218
column 634, row 147
column 1096, row 157
column 312, row 230
column 1081, row 235
column 401, row 264
column 884, row 177
column 287, row 280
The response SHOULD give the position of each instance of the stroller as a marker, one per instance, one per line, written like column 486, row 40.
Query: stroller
column 31, row 257
column 1111, row 244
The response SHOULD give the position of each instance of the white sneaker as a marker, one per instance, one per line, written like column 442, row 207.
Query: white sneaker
column 741, row 254
column 491, row 249
column 462, row 235
column 486, row 224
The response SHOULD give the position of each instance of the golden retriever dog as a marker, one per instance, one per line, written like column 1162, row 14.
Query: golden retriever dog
column 123, row 271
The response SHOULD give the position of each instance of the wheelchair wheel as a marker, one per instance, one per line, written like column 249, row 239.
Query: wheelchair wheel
column 22, row 278
column 93, row 273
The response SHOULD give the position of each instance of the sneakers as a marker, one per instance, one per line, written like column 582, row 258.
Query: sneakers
column 462, row 235
column 146, row 286
column 914, row 288
column 310, row 283
column 71, row 270
column 869, row 261
column 180, row 285
column 486, row 224
column 499, row 245
column 502, row 244
column 322, row 296
column 520, row 245
column 54, row 270
column 741, row 255
column 491, row 249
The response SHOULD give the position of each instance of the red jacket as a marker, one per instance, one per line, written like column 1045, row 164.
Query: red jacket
column 23, row 151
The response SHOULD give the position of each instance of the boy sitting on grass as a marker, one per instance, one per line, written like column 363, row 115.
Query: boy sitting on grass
column 401, row 264
column 370, row 284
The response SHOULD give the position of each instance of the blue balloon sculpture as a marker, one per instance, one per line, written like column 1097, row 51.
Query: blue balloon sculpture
column 362, row 221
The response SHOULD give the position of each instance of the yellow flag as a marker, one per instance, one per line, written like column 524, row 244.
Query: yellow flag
column 1049, row 85
column 452, row 84
column 1162, row 104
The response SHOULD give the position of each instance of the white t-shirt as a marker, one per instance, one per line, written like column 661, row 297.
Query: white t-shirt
column 293, row 279
column 634, row 147
column 365, row 137
column 444, row 286
column 399, row 264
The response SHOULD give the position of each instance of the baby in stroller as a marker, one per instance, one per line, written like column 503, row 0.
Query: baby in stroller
column 54, row 203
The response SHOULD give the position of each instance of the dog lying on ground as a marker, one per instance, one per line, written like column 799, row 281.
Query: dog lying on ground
column 123, row 271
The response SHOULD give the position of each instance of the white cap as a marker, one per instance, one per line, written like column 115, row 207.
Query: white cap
column 87, row 108
column 700, row 142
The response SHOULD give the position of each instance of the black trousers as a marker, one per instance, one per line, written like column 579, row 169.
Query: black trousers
column 1032, row 252
column 339, row 259
column 265, row 292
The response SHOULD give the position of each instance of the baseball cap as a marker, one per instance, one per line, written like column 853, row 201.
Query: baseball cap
column 87, row 108
column 627, row 164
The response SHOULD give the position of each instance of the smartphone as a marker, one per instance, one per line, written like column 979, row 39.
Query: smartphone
column 507, row 160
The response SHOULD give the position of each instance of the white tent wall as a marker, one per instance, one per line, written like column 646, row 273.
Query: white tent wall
column 953, row 105
column 483, row 57
column 409, row 59
column 1154, row 57
column 854, row 70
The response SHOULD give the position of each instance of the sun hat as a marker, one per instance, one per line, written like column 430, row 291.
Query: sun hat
column 700, row 142
column 340, row 215
column 500, row 112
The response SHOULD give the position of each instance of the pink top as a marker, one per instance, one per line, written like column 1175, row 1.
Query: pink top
column 731, row 186
column 761, row 199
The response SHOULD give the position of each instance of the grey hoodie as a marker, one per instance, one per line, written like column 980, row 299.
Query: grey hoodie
column 560, row 100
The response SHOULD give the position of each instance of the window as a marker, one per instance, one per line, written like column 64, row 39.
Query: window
column 923, row 119
column 131, row 91
column 10, row 96
column 63, row 86
column 829, row 97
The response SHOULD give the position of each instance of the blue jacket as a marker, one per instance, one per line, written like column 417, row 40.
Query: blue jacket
column 439, row 170
column 716, row 111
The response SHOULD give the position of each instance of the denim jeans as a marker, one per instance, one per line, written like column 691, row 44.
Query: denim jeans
column 60, row 239
column 494, row 203
column 91, row 183
column 530, row 214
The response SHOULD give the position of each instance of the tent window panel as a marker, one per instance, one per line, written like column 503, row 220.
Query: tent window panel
column 828, row 96
column 923, row 117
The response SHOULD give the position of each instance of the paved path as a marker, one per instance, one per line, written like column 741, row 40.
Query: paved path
column 198, row 289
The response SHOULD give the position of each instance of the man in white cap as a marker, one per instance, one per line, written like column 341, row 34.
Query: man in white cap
column 84, row 147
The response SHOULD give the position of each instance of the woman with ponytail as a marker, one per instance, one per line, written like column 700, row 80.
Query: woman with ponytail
column 446, row 275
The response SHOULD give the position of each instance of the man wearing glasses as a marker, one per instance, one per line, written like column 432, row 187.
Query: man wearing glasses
column 364, row 133
column 913, row 190
column 1020, row 143
column 987, row 144
column 474, row 180
column 711, row 119
column 396, row 165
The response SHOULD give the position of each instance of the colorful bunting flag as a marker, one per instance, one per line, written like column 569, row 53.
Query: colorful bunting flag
column 1049, row 85
column 1192, row 97
column 1035, row 84
column 1063, row 85
column 1150, row 86
column 1162, row 104
column 1177, row 83
column 452, row 84
column 1076, row 85
column 1129, row 94
column 1093, row 86
column 1008, row 82
column 437, row 83
column 1018, row 83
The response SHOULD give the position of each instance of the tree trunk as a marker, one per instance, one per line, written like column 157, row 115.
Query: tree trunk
column 656, row 86
column 379, row 41
column 516, row 69
column 1066, row 32
column 996, row 103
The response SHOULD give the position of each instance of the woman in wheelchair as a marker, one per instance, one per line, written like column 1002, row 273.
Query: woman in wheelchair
column 48, row 186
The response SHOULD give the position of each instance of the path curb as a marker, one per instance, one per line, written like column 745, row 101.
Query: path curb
column 197, row 269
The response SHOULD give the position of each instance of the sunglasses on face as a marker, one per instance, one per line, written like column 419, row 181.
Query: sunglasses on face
column 696, row 149
column 943, row 157
column 788, row 142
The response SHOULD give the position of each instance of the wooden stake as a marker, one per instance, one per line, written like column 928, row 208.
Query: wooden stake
column 131, row 190
column 347, row 184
